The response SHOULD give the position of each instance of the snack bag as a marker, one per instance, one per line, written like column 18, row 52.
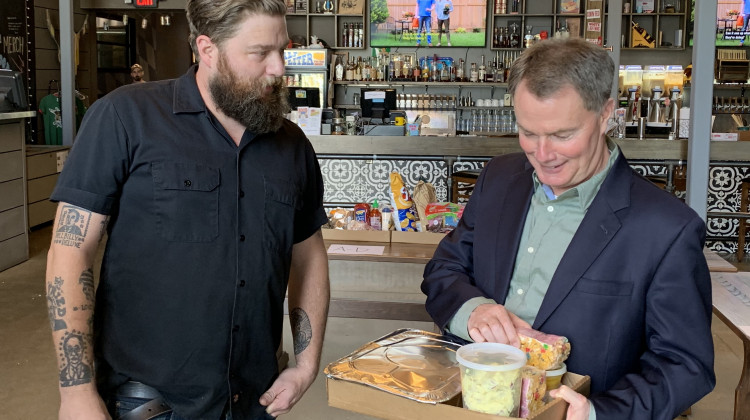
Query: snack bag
column 543, row 351
column 339, row 218
column 533, row 388
column 404, row 215
column 424, row 194
column 442, row 217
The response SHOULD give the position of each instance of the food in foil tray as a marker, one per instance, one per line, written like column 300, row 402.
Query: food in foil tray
column 414, row 364
column 543, row 351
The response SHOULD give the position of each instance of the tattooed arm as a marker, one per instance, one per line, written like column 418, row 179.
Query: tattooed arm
column 70, row 302
column 309, row 292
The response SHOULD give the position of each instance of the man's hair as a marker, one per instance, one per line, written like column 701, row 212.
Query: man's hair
column 135, row 66
column 220, row 19
column 551, row 65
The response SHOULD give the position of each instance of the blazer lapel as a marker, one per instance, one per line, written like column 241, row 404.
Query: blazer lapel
column 512, row 213
column 598, row 227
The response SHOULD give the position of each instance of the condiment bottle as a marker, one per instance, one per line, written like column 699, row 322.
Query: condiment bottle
column 376, row 219
column 362, row 213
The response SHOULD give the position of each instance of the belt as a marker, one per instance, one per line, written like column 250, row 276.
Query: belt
column 155, row 407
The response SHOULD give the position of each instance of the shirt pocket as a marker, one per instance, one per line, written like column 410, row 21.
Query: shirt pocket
column 186, row 201
column 282, row 201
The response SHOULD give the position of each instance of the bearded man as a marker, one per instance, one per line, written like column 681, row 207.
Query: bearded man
column 212, row 203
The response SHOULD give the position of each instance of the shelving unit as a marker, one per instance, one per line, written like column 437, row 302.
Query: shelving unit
column 539, row 16
column 303, row 19
column 662, row 21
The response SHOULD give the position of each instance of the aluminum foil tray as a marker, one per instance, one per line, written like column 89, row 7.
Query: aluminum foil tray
column 415, row 364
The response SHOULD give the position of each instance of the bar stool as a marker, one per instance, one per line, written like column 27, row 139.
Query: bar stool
column 744, row 222
column 468, row 178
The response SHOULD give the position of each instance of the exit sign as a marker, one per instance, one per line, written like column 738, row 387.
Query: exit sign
column 146, row 3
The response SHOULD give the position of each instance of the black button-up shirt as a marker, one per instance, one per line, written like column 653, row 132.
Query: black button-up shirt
column 193, row 279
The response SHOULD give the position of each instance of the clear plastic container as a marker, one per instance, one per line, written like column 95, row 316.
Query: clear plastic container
column 633, row 77
column 675, row 77
column 491, row 377
column 653, row 76
column 554, row 377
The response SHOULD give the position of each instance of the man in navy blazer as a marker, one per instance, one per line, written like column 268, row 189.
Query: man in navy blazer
column 567, row 238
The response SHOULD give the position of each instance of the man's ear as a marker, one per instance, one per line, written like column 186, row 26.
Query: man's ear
column 207, row 50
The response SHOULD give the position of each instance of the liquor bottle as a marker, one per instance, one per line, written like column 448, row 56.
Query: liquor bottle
column 482, row 73
column 528, row 39
column 406, row 70
column 361, row 35
column 444, row 74
column 339, row 69
column 473, row 73
column 355, row 35
column 452, row 73
column 515, row 37
column 434, row 72
column 358, row 69
column 391, row 71
column 416, row 72
column 514, row 8
column 350, row 70
column 425, row 71
column 496, row 38
column 460, row 75
column 345, row 35
column 367, row 71
column 351, row 35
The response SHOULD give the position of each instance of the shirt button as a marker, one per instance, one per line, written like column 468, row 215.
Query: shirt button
column 236, row 397
column 242, row 237
column 531, row 250
column 550, row 209
column 242, row 193
column 188, row 183
column 236, row 328
column 519, row 291
column 242, row 283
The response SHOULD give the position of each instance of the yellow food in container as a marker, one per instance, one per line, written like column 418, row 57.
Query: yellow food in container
column 491, row 377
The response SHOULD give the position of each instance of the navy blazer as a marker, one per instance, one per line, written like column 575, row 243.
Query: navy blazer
column 632, row 292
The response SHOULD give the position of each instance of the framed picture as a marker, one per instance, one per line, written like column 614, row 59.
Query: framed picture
column 351, row 7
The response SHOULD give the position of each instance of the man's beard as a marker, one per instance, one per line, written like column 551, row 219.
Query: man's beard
column 246, row 101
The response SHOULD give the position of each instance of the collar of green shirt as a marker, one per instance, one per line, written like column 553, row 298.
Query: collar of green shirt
column 587, row 190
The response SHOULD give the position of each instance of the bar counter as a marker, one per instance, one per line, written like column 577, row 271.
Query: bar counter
column 469, row 146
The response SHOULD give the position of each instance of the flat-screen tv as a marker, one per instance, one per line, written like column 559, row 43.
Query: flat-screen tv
column 377, row 104
column 303, row 96
column 732, row 29
column 408, row 23
column 12, row 91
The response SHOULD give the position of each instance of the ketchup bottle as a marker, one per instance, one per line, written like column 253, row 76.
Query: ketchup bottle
column 376, row 220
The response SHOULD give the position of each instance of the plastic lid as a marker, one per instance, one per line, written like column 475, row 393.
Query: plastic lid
column 494, row 357
column 558, row 372
column 375, row 203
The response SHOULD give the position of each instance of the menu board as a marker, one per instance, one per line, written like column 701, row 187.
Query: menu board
column 16, row 37
column 594, row 19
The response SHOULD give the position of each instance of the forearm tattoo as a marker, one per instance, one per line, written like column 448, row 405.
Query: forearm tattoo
column 72, row 226
column 87, row 284
column 301, row 329
column 56, row 305
column 103, row 228
column 76, row 367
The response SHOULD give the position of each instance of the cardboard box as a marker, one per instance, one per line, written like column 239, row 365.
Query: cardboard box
column 416, row 237
column 743, row 135
column 357, row 235
column 374, row 402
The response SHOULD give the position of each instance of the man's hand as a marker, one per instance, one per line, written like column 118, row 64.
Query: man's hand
column 82, row 404
column 286, row 390
column 493, row 323
column 579, row 406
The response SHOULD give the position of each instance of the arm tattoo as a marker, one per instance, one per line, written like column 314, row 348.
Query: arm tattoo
column 103, row 228
column 301, row 329
column 87, row 284
column 56, row 305
column 76, row 367
column 72, row 226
